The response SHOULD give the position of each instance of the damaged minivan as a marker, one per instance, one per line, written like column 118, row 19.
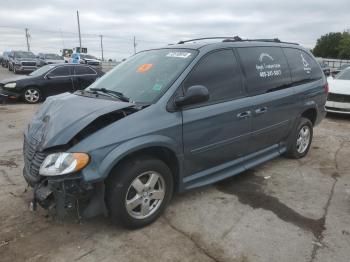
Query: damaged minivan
column 169, row 120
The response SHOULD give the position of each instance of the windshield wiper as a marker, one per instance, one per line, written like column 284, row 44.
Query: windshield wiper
column 116, row 94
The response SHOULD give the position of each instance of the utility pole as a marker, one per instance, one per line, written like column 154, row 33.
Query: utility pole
column 27, row 38
column 101, row 47
column 79, row 30
column 135, row 45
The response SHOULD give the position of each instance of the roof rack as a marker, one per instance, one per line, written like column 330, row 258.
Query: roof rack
column 237, row 39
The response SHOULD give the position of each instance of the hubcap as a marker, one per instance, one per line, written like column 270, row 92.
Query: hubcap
column 32, row 95
column 145, row 195
column 303, row 139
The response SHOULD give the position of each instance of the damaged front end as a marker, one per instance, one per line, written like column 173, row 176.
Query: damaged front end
column 54, row 172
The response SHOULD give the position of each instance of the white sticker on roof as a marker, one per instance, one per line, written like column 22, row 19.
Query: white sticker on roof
column 179, row 54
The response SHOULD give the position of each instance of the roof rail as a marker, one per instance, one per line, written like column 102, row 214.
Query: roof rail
column 238, row 39
column 209, row 38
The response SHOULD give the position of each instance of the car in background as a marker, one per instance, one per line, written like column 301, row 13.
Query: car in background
column 49, row 80
column 338, row 100
column 5, row 59
column 47, row 59
column 21, row 61
column 78, row 58
column 325, row 68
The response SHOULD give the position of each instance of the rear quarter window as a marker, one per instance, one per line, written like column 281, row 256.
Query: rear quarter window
column 265, row 69
column 303, row 67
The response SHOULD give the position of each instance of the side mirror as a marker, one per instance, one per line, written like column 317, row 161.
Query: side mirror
column 194, row 95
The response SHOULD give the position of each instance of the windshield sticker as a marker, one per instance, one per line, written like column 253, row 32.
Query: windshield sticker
column 144, row 68
column 307, row 67
column 266, row 67
column 157, row 87
column 179, row 54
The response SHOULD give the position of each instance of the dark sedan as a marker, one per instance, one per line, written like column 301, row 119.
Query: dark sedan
column 49, row 80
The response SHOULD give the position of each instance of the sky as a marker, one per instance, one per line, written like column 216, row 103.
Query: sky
column 52, row 24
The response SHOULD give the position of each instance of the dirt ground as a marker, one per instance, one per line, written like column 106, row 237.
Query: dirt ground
column 284, row 210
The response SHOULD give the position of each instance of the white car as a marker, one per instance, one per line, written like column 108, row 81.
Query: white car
column 338, row 100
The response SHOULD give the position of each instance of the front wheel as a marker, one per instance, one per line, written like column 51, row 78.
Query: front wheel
column 32, row 95
column 300, row 140
column 138, row 191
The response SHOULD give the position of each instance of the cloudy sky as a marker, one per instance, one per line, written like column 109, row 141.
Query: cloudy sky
column 53, row 25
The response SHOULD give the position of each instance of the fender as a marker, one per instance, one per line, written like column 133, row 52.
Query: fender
column 128, row 147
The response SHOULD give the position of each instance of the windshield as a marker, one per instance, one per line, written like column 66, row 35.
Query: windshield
column 24, row 55
column 53, row 56
column 87, row 56
column 41, row 70
column 344, row 75
column 146, row 75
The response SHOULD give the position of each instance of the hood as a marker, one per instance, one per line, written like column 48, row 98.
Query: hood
column 63, row 116
column 339, row 86
column 54, row 61
column 14, row 79
column 91, row 60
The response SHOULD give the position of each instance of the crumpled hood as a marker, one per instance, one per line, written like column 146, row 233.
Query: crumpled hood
column 61, row 117
column 339, row 86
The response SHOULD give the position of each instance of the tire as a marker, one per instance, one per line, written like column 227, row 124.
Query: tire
column 301, row 139
column 9, row 67
column 32, row 95
column 128, row 183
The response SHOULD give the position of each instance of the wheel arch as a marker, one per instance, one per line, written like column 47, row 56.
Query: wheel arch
column 164, row 149
column 311, row 114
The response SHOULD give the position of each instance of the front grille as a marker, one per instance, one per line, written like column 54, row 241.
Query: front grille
column 28, row 64
column 32, row 162
column 338, row 98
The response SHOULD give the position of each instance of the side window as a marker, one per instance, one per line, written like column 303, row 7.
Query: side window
column 302, row 66
column 60, row 71
column 84, row 70
column 265, row 69
column 219, row 73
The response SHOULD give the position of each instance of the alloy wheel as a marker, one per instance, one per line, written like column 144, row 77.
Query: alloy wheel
column 32, row 95
column 303, row 139
column 145, row 195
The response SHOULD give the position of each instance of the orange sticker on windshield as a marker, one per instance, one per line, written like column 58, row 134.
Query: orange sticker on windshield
column 144, row 68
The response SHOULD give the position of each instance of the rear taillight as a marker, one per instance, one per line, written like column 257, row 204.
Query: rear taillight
column 326, row 88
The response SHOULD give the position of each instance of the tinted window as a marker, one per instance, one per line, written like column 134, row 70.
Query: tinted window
column 84, row 70
column 302, row 66
column 61, row 71
column 265, row 69
column 219, row 73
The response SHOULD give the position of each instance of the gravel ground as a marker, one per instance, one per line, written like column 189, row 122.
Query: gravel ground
column 284, row 210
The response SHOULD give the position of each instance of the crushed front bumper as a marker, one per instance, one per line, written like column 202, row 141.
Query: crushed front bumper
column 70, row 195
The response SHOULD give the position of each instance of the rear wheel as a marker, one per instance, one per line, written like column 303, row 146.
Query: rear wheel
column 138, row 191
column 32, row 95
column 300, row 140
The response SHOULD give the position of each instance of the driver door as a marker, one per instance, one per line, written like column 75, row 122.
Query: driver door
column 217, row 131
column 59, row 80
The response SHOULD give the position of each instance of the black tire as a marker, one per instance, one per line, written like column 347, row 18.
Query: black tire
column 9, row 67
column 119, row 184
column 294, row 151
column 33, row 101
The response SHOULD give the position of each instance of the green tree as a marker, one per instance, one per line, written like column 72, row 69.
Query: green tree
column 327, row 46
column 344, row 46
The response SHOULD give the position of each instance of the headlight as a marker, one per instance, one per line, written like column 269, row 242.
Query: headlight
column 63, row 163
column 10, row 85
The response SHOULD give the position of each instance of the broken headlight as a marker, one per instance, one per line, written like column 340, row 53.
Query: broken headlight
column 63, row 163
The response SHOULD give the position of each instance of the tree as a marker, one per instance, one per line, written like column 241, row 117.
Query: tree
column 327, row 46
column 344, row 46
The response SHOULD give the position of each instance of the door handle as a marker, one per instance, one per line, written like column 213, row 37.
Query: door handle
column 245, row 114
column 261, row 110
